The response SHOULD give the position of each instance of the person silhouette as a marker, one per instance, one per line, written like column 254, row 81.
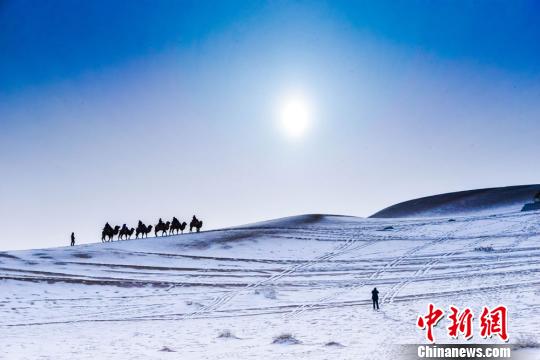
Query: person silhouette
column 194, row 223
column 375, row 298
column 72, row 239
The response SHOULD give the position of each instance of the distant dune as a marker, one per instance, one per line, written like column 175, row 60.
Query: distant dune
column 481, row 201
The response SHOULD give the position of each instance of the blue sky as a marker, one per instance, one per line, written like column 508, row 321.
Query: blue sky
column 115, row 111
column 49, row 41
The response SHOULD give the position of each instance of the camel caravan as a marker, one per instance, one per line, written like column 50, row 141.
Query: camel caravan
column 173, row 227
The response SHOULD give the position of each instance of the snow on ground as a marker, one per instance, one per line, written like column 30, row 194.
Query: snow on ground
column 227, row 294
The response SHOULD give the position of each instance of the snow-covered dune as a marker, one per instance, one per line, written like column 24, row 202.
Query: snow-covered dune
column 226, row 294
column 471, row 202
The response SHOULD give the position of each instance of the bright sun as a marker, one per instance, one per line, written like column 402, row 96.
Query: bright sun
column 295, row 116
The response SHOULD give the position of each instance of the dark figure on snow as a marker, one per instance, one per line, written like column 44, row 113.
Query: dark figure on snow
column 109, row 232
column 162, row 227
column 195, row 223
column 375, row 298
column 142, row 230
column 72, row 239
column 183, row 226
column 147, row 231
column 125, row 232
column 177, row 226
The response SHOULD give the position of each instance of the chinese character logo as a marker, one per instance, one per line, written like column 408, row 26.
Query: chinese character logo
column 428, row 321
column 492, row 322
column 460, row 323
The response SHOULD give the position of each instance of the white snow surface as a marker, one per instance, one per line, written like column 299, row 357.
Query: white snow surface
column 308, row 276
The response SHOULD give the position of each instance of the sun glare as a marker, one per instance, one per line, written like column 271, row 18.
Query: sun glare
column 295, row 116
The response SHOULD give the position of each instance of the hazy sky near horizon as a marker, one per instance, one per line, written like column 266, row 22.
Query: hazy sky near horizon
column 118, row 111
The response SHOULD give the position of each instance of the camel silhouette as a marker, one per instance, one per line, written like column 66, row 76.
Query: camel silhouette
column 195, row 223
column 162, row 227
column 165, row 228
column 148, row 230
column 177, row 226
column 109, row 232
column 125, row 232
column 142, row 230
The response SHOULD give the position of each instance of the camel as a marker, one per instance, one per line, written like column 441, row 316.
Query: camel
column 123, row 231
column 109, row 232
column 177, row 226
column 126, row 232
column 142, row 230
column 183, row 227
column 163, row 227
column 148, row 230
column 195, row 223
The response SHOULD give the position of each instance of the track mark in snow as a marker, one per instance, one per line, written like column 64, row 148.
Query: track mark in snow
column 304, row 307
column 339, row 250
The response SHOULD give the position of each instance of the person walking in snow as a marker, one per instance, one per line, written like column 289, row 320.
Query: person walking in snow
column 375, row 298
column 72, row 239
